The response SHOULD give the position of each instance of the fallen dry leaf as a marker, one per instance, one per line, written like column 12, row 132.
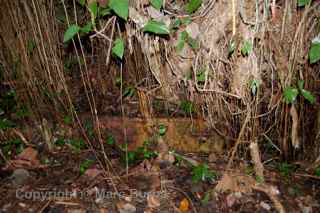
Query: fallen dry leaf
column 93, row 173
column 153, row 201
column 184, row 205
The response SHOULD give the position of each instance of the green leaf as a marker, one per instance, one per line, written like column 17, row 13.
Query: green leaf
column 193, row 43
column 202, row 173
column 104, row 11
column 110, row 140
column 181, row 40
column 176, row 23
column 157, row 4
column 302, row 3
column 156, row 27
column 201, row 76
column 93, row 8
column 120, row 7
column 186, row 20
column 290, row 94
column 85, row 165
column 254, row 86
column 30, row 46
column 82, row 2
column 305, row 93
column 231, row 47
column 118, row 48
column 86, row 28
column 70, row 33
column 193, row 5
column 162, row 129
column 317, row 172
column 246, row 48
column 314, row 52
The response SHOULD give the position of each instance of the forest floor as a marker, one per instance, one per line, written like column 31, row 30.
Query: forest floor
column 69, row 178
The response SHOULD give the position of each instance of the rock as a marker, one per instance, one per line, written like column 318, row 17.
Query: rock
column 19, row 177
column 265, row 206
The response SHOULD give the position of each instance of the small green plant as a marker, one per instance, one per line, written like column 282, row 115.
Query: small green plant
column 118, row 48
column 157, row 4
column 60, row 142
column 6, row 124
column 162, row 130
column 202, row 173
column 302, row 3
column 290, row 94
column 11, row 147
column 201, row 76
column 254, row 86
column 314, row 52
column 110, row 140
column 85, row 165
column 185, row 38
column 156, row 27
column 77, row 144
column 88, row 125
column 187, row 106
column 193, row 5
column 141, row 153
column 317, row 172
column 285, row 169
column 67, row 120
column 246, row 48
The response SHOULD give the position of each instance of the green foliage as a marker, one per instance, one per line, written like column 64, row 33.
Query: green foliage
column 110, row 140
column 85, row 165
column 290, row 94
column 305, row 93
column 231, row 47
column 10, row 147
column 120, row 7
column 82, row 2
column 302, row 3
column 77, row 144
column 193, row 6
column 157, row 4
column 187, row 106
column 60, row 142
column 183, row 36
column 156, row 27
column 314, row 52
column 317, row 172
column 23, row 111
column 186, row 20
column 118, row 48
column 93, row 9
column 201, row 76
column 71, row 32
column 31, row 45
column 246, row 48
column 202, row 173
column 254, row 86
column 104, row 11
column 129, row 91
column 6, row 124
column 140, row 154
column 162, row 130
column 285, row 169
column 67, row 120
column 86, row 28
column 88, row 125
